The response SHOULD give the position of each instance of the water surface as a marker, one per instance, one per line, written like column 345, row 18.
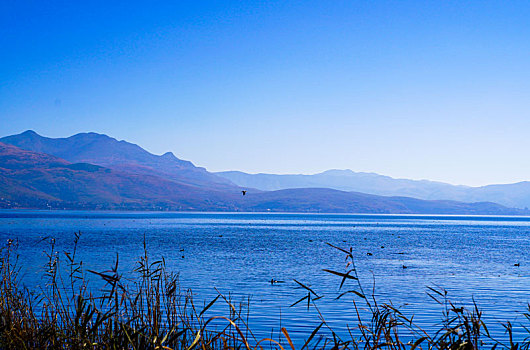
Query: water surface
column 239, row 253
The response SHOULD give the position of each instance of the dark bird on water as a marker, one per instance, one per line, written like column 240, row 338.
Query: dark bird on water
column 517, row 264
column 244, row 192
column 273, row 281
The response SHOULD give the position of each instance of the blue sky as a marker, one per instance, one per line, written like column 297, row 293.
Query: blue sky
column 434, row 90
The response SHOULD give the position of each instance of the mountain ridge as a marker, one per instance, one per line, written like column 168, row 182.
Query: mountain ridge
column 38, row 180
column 106, row 151
column 31, row 179
column 511, row 195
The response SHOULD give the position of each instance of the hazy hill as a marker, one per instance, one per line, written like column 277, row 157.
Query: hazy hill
column 512, row 195
column 119, row 155
column 335, row 201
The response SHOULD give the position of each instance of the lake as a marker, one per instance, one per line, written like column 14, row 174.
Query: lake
column 239, row 253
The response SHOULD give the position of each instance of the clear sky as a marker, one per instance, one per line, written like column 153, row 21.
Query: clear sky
column 435, row 90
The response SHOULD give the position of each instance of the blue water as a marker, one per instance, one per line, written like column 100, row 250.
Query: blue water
column 239, row 253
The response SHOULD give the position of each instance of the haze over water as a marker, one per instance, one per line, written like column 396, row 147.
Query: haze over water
column 239, row 253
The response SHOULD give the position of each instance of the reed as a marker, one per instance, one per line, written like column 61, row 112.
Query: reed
column 387, row 327
column 148, row 310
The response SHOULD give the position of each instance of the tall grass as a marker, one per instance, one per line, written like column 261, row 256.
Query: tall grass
column 148, row 310
column 389, row 328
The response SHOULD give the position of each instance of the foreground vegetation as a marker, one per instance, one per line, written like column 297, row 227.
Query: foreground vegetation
column 150, row 311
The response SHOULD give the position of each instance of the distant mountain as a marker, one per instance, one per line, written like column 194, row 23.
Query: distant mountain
column 31, row 179
column 334, row 201
column 108, row 152
column 512, row 195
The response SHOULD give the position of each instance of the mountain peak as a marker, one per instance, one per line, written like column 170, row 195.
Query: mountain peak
column 29, row 133
column 168, row 155
column 92, row 135
column 339, row 172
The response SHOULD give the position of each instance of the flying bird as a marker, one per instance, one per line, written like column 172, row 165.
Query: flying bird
column 244, row 192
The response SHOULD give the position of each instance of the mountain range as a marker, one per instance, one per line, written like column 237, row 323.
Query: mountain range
column 512, row 195
column 38, row 180
column 95, row 171
column 119, row 155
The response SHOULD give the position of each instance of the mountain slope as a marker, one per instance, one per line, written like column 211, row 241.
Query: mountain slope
column 37, row 180
column 512, row 195
column 119, row 155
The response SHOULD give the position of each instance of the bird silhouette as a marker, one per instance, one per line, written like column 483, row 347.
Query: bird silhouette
column 244, row 192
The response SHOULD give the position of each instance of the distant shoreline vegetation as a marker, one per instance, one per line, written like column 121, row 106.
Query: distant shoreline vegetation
column 91, row 213
column 148, row 310
column 489, row 209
